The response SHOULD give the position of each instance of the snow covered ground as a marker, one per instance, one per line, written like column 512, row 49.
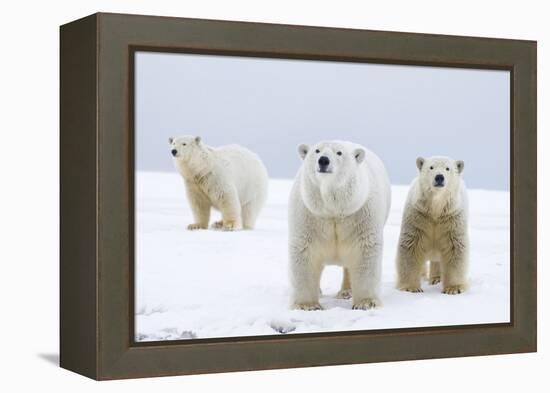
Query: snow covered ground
column 206, row 284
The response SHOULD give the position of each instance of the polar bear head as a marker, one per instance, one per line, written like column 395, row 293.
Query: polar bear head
column 334, row 179
column 439, row 174
column 331, row 160
column 183, row 148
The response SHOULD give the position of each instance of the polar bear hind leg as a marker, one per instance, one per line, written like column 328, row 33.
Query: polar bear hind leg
column 434, row 276
column 345, row 290
column 250, row 212
column 251, row 209
column 231, row 211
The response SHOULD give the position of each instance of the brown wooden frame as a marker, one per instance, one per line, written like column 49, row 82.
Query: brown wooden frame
column 97, row 172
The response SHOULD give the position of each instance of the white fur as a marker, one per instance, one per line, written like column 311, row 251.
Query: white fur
column 435, row 228
column 230, row 179
column 338, row 218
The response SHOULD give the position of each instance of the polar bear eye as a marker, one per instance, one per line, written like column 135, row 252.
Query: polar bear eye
column 317, row 151
column 447, row 169
column 339, row 153
column 184, row 144
column 431, row 167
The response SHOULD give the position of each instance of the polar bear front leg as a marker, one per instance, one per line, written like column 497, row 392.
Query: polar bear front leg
column 305, row 277
column 409, row 269
column 200, row 207
column 365, row 274
column 453, row 275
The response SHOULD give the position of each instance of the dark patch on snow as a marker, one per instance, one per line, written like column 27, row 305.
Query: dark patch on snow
column 141, row 337
column 282, row 327
column 188, row 334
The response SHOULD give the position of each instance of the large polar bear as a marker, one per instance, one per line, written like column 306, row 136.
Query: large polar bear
column 230, row 179
column 435, row 228
column 337, row 210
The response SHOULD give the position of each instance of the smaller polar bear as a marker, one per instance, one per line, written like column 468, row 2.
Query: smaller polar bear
column 435, row 228
column 338, row 206
column 230, row 179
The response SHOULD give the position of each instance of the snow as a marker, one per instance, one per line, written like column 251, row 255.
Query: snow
column 206, row 284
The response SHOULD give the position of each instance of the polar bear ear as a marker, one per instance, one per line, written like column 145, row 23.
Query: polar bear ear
column 170, row 140
column 198, row 139
column 420, row 163
column 302, row 150
column 359, row 155
column 460, row 165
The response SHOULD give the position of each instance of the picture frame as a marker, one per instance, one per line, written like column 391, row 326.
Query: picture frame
column 97, row 204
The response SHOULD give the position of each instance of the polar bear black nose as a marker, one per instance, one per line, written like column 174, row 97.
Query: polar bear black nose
column 324, row 161
column 439, row 179
column 174, row 152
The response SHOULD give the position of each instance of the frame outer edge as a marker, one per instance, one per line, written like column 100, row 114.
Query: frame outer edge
column 119, row 357
column 527, row 191
column 78, row 202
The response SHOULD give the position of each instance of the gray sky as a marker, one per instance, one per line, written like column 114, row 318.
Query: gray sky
column 271, row 106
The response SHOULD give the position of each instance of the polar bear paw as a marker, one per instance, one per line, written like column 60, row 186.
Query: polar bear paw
column 434, row 280
column 344, row 294
column 454, row 289
column 413, row 289
column 225, row 225
column 307, row 306
column 194, row 227
column 366, row 304
column 217, row 225
column 230, row 226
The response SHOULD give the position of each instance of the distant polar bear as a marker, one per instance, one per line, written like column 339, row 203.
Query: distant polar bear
column 337, row 210
column 435, row 228
column 230, row 179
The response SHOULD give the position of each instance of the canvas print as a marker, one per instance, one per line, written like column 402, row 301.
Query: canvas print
column 285, row 196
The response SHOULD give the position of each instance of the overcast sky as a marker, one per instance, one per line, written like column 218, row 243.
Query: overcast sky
column 271, row 106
